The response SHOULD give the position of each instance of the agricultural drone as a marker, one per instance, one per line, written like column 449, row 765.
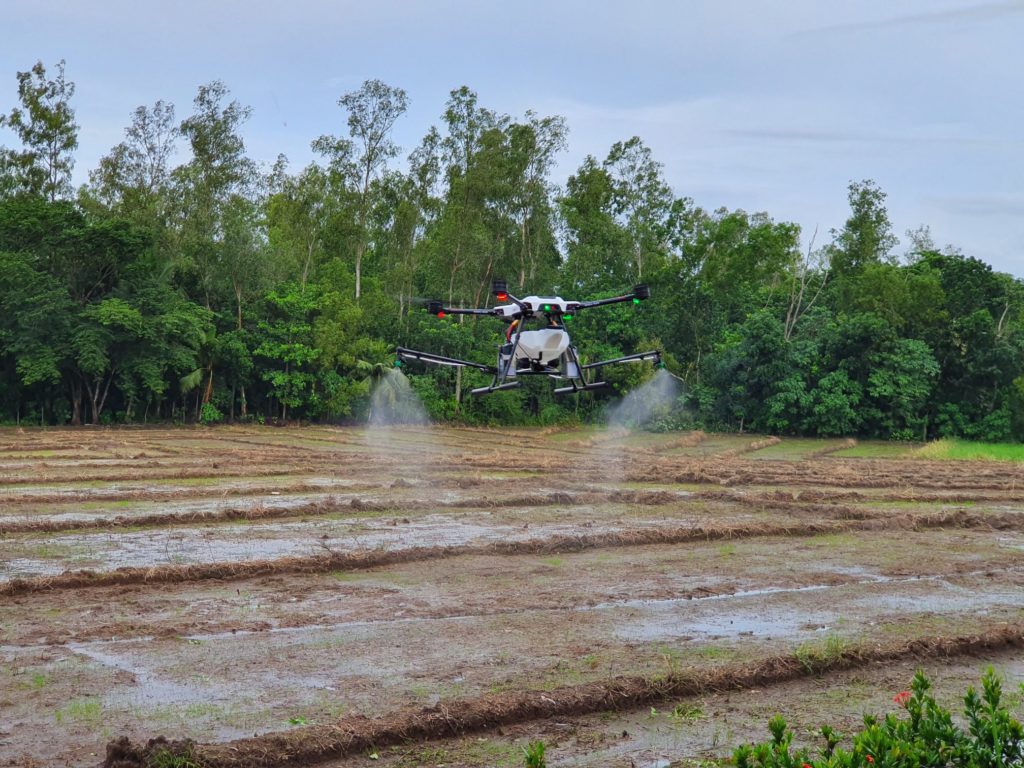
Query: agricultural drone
column 546, row 351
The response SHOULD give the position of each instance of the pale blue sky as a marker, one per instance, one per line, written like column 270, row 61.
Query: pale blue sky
column 758, row 105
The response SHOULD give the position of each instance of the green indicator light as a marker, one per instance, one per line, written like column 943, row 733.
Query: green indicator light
column 567, row 317
column 547, row 307
column 636, row 301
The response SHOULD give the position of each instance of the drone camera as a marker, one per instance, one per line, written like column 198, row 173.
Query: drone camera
column 641, row 292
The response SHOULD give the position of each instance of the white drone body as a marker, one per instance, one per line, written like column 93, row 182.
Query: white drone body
column 544, row 347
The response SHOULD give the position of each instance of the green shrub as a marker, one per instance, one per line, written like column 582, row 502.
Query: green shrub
column 535, row 755
column 210, row 414
column 927, row 736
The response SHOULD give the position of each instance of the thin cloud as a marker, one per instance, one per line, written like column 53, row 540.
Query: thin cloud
column 980, row 13
column 803, row 135
column 979, row 206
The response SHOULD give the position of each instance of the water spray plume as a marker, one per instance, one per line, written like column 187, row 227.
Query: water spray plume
column 393, row 402
column 651, row 400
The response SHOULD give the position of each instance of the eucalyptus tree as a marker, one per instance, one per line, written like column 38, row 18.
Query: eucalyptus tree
column 596, row 244
column 45, row 124
column 463, row 246
column 217, row 201
column 298, row 213
column 372, row 110
column 643, row 202
column 132, row 179
column 406, row 206
column 533, row 146
column 218, row 178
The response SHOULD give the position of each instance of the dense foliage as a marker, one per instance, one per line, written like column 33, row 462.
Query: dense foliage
column 926, row 736
column 216, row 289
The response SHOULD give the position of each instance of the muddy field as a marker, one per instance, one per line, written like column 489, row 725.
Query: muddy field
column 428, row 596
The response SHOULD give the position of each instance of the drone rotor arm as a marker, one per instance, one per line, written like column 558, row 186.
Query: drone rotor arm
column 638, row 294
column 461, row 311
column 430, row 357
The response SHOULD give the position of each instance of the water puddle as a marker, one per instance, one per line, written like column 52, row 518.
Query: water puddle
column 267, row 541
column 754, row 616
column 148, row 688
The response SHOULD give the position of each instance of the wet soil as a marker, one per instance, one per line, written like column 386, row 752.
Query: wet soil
column 702, row 730
column 434, row 590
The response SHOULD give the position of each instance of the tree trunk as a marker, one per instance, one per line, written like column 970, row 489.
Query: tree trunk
column 94, row 402
column 208, row 391
column 103, row 398
column 359, row 267
column 524, row 253
column 305, row 267
column 97, row 396
column 76, row 404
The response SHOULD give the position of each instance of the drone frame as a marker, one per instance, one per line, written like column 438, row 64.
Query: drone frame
column 501, row 373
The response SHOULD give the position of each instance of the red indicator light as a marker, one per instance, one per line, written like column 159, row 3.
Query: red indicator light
column 502, row 297
column 440, row 314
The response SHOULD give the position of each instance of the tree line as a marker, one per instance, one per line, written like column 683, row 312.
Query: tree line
column 184, row 281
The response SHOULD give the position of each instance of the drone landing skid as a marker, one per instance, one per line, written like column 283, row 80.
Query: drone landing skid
column 574, row 387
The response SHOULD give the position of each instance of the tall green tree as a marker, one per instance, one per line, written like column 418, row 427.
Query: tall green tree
column 45, row 123
column 533, row 146
column 217, row 179
column 298, row 215
column 217, row 215
column 643, row 202
column 596, row 245
column 372, row 110
column 867, row 237
column 133, row 179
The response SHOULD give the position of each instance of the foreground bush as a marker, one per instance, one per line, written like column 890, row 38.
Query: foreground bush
column 926, row 736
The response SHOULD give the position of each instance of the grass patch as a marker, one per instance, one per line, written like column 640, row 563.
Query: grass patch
column 815, row 655
column 962, row 450
column 716, row 653
column 87, row 710
column 55, row 551
column 876, row 450
column 164, row 758
column 795, row 448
